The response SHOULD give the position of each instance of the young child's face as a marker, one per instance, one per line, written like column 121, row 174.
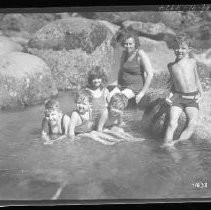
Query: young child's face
column 181, row 50
column 129, row 44
column 82, row 105
column 97, row 82
column 52, row 116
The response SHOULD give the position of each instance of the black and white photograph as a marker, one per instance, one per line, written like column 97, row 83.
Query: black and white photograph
column 105, row 104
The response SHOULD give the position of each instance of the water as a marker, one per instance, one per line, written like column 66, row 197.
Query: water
column 87, row 169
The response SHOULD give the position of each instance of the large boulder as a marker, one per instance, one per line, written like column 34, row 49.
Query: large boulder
column 7, row 45
column 30, row 22
column 114, row 28
column 171, row 18
column 24, row 80
column 71, row 47
column 148, row 28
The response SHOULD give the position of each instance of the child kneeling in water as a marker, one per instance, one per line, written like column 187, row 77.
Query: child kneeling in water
column 81, row 117
column 55, row 124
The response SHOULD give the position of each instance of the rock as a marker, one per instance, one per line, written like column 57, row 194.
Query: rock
column 24, row 80
column 148, row 28
column 114, row 28
column 160, row 55
column 172, row 19
column 29, row 22
column 71, row 47
column 119, row 17
column 204, row 57
column 7, row 45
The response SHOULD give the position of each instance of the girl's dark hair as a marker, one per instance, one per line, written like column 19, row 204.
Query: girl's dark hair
column 97, row 72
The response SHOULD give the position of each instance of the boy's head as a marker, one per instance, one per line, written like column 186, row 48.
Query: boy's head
column 97, row 77
column 83, row 100
column 52, row 111
column 181, row 46
column 118, row 103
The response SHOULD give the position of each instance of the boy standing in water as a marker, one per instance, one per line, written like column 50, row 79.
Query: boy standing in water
column 185, row 93
column 54, row 123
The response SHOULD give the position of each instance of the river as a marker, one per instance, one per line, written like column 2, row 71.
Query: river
column 86, row 169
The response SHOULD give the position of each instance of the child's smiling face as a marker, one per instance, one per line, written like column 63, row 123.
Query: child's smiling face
column 182, row 50
column 52, row 116
column 82, row 105
column 96, row 82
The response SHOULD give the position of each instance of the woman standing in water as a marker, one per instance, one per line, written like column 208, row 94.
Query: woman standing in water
column 135, row 74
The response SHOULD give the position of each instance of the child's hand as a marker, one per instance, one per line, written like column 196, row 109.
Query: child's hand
column 139, row 97
column 48, row 142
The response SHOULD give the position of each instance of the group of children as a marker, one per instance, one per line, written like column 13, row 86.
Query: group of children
column 96, row 107
column 99, row 106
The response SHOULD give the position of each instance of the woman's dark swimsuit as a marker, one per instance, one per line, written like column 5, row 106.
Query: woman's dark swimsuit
column 184, row 100
column 131, row 74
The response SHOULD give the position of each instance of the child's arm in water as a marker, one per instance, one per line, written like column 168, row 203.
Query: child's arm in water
column 45, row 129
column 75, row 120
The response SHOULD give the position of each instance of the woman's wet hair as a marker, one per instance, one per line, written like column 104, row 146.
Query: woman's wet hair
column 118, row 101
column 52, row 104
column 83, row 94
column 97, row 72
column 126, row 35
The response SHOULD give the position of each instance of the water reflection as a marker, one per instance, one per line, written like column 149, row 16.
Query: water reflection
column 89, row 170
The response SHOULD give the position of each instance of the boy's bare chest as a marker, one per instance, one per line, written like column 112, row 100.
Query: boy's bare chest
column 183, row 70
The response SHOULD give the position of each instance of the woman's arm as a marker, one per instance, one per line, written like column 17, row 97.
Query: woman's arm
column 148, row 73
column 148, row 70
column 198, row 83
